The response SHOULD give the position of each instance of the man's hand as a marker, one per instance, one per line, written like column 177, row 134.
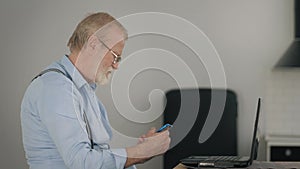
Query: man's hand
column 150, row 133
column 149, row 145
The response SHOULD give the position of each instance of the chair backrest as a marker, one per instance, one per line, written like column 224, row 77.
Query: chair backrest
column 223, row 141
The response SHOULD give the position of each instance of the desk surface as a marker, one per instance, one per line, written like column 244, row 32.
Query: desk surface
column 263, row 165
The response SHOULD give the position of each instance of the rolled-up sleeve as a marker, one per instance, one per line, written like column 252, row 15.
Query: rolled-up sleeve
column 121, row 157
column 58, row 104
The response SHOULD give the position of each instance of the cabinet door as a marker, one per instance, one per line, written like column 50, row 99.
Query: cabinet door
column 285, row 153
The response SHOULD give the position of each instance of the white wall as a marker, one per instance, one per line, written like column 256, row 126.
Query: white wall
column 282, row 105
column 250, row 36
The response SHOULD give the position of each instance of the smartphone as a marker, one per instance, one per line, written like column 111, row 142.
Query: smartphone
column 166, row 126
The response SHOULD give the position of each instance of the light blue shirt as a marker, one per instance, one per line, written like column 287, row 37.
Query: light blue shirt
column 54, row 132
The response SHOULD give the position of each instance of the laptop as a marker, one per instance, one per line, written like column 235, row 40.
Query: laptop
column 227, row 161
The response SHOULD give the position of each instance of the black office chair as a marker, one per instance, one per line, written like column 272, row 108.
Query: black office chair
column 185, row 142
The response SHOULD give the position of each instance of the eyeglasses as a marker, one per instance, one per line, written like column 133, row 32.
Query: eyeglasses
column 117, row 58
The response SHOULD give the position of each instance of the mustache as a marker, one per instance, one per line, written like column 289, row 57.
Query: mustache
column 110, row 69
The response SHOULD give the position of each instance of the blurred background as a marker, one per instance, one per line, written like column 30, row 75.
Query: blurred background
column 250, row 37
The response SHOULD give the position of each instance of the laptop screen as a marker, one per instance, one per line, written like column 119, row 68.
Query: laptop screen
column 254, row 146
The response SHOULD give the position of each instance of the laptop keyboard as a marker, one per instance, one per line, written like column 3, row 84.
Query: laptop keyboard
column 223, row 158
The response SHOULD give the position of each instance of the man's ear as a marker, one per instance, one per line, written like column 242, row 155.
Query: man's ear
column 92, row 42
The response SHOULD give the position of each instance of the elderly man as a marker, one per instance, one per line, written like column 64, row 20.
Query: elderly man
column 64, row 125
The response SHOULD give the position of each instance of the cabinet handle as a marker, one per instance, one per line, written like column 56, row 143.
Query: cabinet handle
column 288, row 152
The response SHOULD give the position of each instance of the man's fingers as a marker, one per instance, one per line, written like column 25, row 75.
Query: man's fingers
column 151, row 132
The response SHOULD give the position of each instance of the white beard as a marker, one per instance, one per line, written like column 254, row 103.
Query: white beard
column 104, row 76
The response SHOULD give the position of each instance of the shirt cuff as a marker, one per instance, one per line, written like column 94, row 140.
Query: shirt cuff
column 121, row 158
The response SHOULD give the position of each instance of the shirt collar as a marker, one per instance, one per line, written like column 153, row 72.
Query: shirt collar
column 72, row 71
column 93, row 86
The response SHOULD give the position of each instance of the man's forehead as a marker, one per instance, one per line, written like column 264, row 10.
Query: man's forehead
column 111, row 34
column 119, row 47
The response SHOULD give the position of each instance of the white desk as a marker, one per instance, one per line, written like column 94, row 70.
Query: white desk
column 263, row 165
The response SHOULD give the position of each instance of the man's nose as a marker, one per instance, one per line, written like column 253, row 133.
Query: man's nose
column 115, row 65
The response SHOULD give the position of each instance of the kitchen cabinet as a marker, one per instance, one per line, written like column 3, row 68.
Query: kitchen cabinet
column 283, row 148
